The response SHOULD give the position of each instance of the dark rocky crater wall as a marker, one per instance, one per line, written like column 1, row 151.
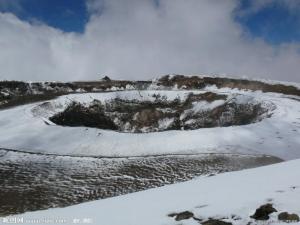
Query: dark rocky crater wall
column 162, row 114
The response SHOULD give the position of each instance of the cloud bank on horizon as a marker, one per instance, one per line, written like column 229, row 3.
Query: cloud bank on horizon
column 142, row 39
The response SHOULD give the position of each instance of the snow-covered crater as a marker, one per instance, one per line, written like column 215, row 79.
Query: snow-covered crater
column 274, row 129
column 150, row 111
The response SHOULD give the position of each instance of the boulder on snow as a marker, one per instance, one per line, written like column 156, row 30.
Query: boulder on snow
column 263, row 212
column 286, row 217
column 215, row 222
column 182, row 215
column 106, row 78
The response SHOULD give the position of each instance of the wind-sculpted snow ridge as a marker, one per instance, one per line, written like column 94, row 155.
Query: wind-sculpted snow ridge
column 194, row 115
column 30, row 182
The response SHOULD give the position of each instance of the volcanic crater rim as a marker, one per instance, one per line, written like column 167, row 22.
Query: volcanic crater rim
column 156, row 112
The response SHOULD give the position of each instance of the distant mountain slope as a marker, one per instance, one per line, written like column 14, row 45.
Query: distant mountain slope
column 18, row 92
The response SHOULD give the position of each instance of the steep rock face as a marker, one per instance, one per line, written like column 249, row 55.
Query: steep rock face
column 78, row 115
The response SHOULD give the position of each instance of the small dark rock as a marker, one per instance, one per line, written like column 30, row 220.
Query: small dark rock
column 182, row 215
column 235, row 217
column 263, row 212
column 215, row 222
column 198, row 219
column 172, row 214
column 286, row 217
column 106, row 78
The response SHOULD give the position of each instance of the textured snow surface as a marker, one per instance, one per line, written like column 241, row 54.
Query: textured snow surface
column 235, row 193
column 27, row 128
column 24, row 128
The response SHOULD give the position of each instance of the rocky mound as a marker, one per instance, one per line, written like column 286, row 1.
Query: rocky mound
column 13, row 93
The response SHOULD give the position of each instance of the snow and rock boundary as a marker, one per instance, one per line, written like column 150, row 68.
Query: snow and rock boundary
column 29, row 127
column 195, row 111
column 13, row 93
column 231, row 197
column 31, row 182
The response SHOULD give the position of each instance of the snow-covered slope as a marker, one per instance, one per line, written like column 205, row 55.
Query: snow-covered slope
column 231, row 197
column 234, row 194
column 24, row 128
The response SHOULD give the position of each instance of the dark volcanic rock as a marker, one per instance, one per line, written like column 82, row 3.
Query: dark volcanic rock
column 181, row 81
column 215, row 222
column 263, row 212
column 79, row 115
column 286, row 217
column 197, row 82
column 160, row 115
column 106, row 78
column 14, row 93
column 182, row 215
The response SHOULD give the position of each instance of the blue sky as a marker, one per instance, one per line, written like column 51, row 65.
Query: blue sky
column 275, row 22
column 142, row 39
column 67, row 15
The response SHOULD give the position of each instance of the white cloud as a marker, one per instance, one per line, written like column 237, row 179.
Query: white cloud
column 136, row 39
